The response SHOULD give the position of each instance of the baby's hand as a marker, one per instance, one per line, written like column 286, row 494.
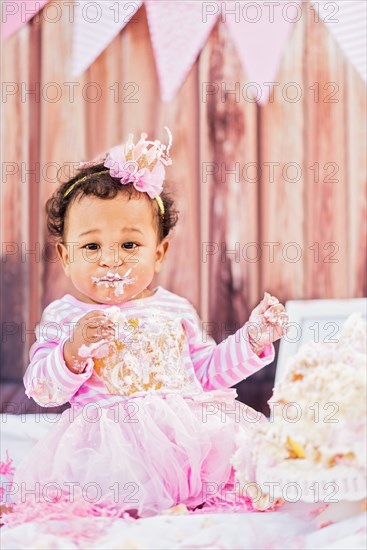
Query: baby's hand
column 91, row 328
column 267, row 323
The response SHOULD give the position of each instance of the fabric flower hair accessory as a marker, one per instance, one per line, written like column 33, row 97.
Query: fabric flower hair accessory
column 142, row 165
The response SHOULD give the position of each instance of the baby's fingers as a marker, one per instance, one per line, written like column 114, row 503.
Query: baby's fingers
column 98, row 334
column 96, row 319
column 95, row 313
column 275, row 315
column 266, row 302
column 95, row 329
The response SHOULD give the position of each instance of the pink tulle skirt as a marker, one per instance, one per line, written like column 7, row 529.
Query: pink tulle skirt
column 146, row 454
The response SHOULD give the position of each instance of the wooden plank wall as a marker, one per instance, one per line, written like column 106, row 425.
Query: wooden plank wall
column 16, row 199
column 271, row 197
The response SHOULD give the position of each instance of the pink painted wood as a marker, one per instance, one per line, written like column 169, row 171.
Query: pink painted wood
column 226, row 217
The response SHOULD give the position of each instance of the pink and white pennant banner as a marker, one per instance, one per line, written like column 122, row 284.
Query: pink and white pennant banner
column 95, row 25
column 178, row 32
column 347, row 21
column 16, row 13
column 260, row 36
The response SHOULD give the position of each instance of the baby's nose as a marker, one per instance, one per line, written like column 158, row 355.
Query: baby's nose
column 112, row 256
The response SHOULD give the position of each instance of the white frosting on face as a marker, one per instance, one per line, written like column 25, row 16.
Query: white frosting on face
column 119, row 289
column 116, row 281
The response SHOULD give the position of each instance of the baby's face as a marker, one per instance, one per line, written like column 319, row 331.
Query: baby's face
column 111, row 249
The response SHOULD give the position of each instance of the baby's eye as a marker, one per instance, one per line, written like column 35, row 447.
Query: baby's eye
column 129, row 245
column 91, row 246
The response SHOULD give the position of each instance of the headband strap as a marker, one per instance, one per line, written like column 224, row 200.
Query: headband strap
column 85, row 178
column 81, row 181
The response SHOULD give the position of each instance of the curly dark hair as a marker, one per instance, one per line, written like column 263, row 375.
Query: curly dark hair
column 106, row 187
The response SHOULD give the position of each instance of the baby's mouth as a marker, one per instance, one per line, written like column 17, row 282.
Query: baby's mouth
column 114, row 280
column 110, row 278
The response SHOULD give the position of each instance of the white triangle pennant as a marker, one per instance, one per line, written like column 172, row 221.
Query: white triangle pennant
column 347, row 23
column 178, row 30
column 260, row 35
column 95, row 26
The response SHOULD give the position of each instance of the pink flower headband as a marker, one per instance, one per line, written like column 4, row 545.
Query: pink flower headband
column 141, row 164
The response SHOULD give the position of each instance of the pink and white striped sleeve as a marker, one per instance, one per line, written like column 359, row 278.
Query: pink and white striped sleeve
column 227, row 363
column 47, row 379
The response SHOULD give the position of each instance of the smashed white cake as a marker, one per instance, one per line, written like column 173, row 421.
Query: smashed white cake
column 144, row 355
column 315, row 440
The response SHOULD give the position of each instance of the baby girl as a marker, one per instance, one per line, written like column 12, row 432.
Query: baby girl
column 151, row 421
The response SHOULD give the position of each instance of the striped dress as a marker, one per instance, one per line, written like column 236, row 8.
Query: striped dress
column 153, row 416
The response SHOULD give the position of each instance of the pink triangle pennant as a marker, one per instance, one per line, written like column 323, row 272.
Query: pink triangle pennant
column 16, row 13
column 260, row 32
column 95, row 25
column 178, row 30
